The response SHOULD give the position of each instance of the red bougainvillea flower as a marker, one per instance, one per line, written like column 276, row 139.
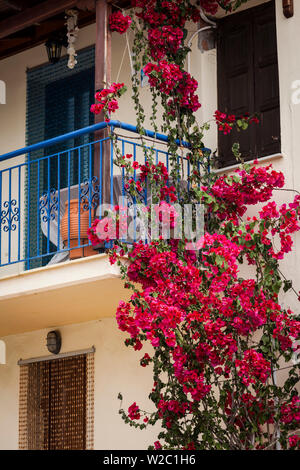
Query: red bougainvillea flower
column 157, row 445
column 170, row 12
column 145, row 360
column 102, row 230
column 170, row 80
column 113, row 106
column 253, row 366
column 227, row 122
column 166, row 214
column 92, row 233
column 134, row 411
column 107, row 99
column 165, row 40
column 211, row 6
column 290, row 412
column 244, row 188
column 294, row 441
column 112, row 227
column 118, row 22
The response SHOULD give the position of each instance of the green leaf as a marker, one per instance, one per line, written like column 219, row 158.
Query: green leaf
column 277, row 286
column 209, row 198
column 219, row 260
column 287, row 285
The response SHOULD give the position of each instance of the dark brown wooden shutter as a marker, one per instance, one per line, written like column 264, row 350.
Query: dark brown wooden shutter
column 248, row 81
column 266, row 80
column 56, row 404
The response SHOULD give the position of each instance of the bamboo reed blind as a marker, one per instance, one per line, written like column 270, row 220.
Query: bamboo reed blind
column 57, row 404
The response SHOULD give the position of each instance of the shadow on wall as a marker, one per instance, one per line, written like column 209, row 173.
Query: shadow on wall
column 2, row 352
column 2, row 92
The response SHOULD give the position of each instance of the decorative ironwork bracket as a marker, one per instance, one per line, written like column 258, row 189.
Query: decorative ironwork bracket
column 9, row 215
column 49, row 205
column 89, row 193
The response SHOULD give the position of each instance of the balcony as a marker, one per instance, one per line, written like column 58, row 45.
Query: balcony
column 39, row 286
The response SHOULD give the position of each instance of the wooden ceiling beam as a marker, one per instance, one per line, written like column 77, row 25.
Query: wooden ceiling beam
column 33, row 15
column 87, row 5
column 18, row 5
column 8, row 43
column 39, row 35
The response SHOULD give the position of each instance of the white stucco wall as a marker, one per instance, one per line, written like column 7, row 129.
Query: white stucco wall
column 117, row 370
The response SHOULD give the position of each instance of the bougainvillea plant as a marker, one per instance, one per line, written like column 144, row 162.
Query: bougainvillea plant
column 219, row 339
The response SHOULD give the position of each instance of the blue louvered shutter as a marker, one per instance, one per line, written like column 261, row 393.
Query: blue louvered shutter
column 58, row 101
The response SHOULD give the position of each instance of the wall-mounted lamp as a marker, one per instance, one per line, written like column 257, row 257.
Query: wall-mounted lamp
column 288, row 8
column 54, row 341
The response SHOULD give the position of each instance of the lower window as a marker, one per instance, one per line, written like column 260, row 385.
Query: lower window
column 56, row 404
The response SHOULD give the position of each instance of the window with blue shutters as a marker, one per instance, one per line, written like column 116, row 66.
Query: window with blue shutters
column 58, row 102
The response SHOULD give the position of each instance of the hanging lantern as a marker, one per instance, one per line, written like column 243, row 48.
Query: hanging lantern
column 53, row 47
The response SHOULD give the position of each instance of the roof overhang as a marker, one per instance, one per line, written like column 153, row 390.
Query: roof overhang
column 27, row 24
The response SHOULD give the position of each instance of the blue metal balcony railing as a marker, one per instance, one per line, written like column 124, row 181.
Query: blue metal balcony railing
column 38, row 182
